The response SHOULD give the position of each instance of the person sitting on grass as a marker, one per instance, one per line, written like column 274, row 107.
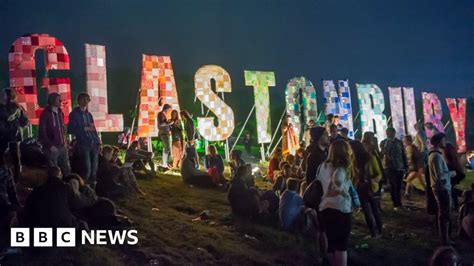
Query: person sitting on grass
column 466, row 215
column 294, row 216
column 291, row 160
column 444, row 256
column 274, row 164
column 236, row 161
column 214, row 164
column 115, row 157
column 291, row 205
column 50, row 204
column 280, row 183
column 244, row 201
column 299, row 158
column 193, row 176
column 107, row 177
column 9, row 203
column 249, row 179
column 139, row 159
column 114, row 180
column 98, row 212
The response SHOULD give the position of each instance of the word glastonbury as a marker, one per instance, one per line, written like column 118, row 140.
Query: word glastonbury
column 157, row 80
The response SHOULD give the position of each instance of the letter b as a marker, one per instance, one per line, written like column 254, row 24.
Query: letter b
column 43, row 237
column 19, row 237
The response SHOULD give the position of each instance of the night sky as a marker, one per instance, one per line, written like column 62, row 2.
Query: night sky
column 425, row 44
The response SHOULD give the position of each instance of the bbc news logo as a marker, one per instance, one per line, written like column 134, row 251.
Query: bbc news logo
column 66, row 237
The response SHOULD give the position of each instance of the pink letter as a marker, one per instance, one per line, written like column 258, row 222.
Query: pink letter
column 157, row 80
column 22, row 66
column 432, row 111
column 458, row 117
column 96, row 76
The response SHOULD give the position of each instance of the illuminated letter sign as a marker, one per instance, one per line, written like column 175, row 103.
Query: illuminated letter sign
column 224, row 114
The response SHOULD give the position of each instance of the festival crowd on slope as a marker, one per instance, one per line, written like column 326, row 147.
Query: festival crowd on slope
column 316, row 184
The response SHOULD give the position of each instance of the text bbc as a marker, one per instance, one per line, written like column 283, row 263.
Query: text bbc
column 66, row 237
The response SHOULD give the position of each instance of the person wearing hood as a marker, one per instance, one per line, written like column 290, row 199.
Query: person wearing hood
column 86, row 150
column 52, row 136
column 316, row 152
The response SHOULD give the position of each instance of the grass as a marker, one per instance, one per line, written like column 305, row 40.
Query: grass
column 168, row 234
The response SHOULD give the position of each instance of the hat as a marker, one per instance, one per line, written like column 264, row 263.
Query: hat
column 436, row 139
column 316, row 132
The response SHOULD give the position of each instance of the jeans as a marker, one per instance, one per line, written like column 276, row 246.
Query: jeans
column 444, row 201
column 165, row 140
column 88, row 157
column 372, row 215
column 395, row 178
column 58, row 158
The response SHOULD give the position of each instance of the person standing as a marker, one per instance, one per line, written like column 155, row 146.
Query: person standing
column 333, row 134
column 394, row 164
column 289, row 140
column 366, row 177
column 12, row 118
column 81, row 125
column 440, row 178
column 420, row 139
column 316, row 152
column 306, row 135
column 248, row 143
column 189, row 128
column 336, row 202
column 415, row 165
column 176, row 139
column 164, row 131
column 329, row 121
column 452, row 160
column 52, row 136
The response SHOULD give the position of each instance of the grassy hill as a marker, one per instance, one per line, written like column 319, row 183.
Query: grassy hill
column 168, row 235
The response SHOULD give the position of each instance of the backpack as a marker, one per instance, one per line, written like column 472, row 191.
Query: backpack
column 313, row 194
column 364, row 187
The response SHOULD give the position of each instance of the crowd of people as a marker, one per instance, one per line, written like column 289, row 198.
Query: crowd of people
column 82, row 179
column 319, row 187
column 317, row 183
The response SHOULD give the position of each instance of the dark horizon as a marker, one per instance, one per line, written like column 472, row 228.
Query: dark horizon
column 426, row 45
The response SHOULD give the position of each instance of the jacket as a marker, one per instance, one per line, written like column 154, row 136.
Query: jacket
column 12, row 118
column 189, row 129
column 217, row 162
column 338, row 191
column 314, row 159
column 290, row 208
column 78, row 120
column 393, row 154
column 50, row 205
column 51, row 128
column 164, row 127
column 440, row 176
